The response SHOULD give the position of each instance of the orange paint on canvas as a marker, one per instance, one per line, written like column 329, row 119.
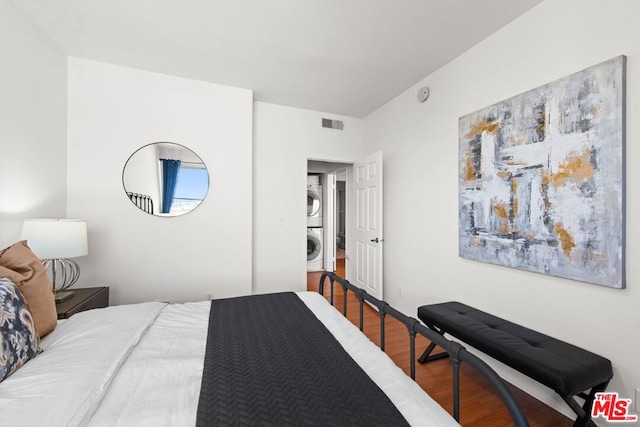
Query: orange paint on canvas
column 565, row 238
column 482, row 126
column 469, row 168
column 514, row 191
column 543, row 126
column 502, row 211
column 475, row 241
column 516, row 163
column 576, row 168
column 546, row 180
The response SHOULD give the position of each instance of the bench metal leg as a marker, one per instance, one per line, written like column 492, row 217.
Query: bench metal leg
column 427, row 356
column 584, row 411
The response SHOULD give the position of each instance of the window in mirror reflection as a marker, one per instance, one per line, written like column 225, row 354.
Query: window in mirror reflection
column 165, row 179
column 192, row 186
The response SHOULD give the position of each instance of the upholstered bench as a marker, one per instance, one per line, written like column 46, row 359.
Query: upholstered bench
column 569, row 370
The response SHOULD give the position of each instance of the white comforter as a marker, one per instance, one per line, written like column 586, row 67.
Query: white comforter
column 141, row 365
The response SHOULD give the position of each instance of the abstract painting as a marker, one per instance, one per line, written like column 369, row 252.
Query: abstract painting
column 542, row 178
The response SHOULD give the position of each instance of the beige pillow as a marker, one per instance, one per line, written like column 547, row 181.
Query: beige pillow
column 19, row 264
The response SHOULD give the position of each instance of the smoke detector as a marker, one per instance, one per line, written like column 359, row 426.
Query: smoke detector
column 423, row 94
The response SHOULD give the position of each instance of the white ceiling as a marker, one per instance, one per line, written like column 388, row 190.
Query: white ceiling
column 344, row 57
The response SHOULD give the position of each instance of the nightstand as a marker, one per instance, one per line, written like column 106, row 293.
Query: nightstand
column 83, row 299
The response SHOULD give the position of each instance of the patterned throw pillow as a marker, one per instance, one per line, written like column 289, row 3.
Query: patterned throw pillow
column 22, row 267
column 18, row 338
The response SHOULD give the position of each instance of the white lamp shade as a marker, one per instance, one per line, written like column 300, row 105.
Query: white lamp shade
column 56, row 238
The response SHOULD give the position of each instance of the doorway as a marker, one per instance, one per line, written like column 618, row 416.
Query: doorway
column 363, row 212
column 363, row 219
column 331, row 179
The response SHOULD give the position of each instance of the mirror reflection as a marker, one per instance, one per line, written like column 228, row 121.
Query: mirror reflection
column 165, row 179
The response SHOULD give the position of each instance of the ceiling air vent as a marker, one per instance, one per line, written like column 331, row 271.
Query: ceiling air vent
column 332, row 124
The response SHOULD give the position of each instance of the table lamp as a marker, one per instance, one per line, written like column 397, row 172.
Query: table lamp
column 54, row 241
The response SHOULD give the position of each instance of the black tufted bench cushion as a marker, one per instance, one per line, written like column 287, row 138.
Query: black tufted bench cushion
column 565, row 368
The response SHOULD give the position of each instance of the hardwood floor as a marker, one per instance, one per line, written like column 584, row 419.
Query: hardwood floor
column 479, row 406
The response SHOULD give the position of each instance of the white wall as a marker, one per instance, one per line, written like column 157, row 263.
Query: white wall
column 33, row 110
column 420, row 143
column 284, row 139
column 113, row 111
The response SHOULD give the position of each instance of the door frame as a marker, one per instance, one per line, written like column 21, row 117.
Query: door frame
column 327, row 167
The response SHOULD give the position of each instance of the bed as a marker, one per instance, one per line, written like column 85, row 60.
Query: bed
column 142, row 365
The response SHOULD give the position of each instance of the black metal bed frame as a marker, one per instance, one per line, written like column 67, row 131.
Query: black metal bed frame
column 457, row 353
column 142, row 201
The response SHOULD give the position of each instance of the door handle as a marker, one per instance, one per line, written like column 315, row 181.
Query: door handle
column 376, row 240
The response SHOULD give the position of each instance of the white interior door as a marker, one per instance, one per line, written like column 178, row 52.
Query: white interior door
column 368, row 228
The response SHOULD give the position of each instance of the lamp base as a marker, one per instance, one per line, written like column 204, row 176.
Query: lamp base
column 62, row 296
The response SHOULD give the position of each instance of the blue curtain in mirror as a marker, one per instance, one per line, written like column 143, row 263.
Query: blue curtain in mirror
column 170, row 169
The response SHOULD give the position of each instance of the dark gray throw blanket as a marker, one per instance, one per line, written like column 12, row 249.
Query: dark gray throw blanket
column 270, row 362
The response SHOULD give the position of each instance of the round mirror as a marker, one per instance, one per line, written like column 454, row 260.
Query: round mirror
column 165, row 179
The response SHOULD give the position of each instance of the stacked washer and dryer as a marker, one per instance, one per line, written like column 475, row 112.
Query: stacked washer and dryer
column 315, row 232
